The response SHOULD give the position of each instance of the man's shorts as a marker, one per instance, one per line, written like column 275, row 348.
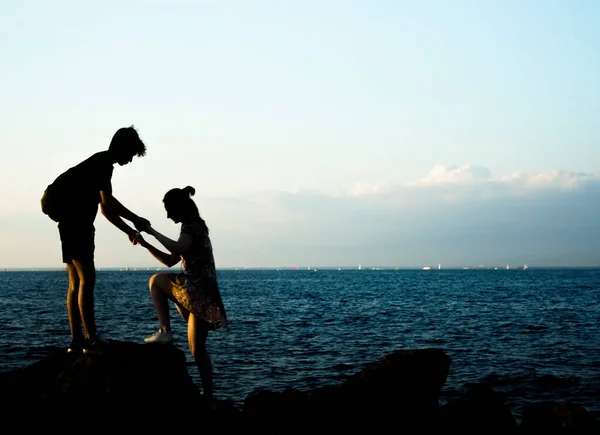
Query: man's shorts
column 77, row 241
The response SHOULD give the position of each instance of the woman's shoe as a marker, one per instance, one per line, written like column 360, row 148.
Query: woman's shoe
column 160, row 337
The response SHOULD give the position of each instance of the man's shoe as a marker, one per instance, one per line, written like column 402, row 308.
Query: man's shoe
column 160, row 337
column 96, row 346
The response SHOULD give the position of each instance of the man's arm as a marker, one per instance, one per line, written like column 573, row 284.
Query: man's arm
column 112, row 206
column 116, row 220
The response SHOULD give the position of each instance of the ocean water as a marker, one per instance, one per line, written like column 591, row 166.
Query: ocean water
column 530, row 334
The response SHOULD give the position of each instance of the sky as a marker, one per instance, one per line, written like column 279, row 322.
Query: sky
column 316, row 133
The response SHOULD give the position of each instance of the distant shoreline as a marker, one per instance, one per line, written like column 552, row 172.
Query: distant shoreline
column 310, row 268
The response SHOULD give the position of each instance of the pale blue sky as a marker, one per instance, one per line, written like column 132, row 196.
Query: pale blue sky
column 287, row 116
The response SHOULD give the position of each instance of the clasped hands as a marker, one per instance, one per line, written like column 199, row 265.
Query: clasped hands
column 141, row 224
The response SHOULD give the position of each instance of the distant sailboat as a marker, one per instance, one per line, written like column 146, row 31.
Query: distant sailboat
column 525, row 267
column 359, row 267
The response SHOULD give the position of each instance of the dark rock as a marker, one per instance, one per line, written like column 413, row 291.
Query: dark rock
column 141, row 387
column 557, row 418
column 480, row 411
column 400, row 388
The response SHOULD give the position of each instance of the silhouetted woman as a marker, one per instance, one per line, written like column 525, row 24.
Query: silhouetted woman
column 194, row 291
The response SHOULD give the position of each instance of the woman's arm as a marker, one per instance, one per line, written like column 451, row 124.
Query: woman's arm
column 176, row 247
column 168, row 260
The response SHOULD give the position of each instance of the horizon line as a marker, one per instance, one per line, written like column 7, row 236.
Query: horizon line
column 300, row 268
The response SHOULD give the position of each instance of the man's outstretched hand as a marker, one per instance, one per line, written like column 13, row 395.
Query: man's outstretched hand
column 142, row 224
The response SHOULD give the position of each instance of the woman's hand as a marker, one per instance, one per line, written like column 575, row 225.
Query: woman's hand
column 141, row 224
column 139, row 240
column 132, row 237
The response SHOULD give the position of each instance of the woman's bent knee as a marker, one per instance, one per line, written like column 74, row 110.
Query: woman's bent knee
column 153, row 279
column 157, row 279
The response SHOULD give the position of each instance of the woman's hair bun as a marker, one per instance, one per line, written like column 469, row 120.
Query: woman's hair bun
column 189, row 190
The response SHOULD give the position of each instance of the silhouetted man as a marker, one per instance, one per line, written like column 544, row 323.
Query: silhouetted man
column 72, row 200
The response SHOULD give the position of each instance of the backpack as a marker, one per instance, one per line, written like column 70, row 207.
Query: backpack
column 55, row 199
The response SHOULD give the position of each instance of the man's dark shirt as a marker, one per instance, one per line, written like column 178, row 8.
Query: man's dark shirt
column 83, row 183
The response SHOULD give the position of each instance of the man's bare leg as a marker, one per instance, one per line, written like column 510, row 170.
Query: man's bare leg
column 86, row 271
column 73, row 304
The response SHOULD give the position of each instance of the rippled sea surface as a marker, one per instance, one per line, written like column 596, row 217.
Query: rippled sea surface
column 530, row 334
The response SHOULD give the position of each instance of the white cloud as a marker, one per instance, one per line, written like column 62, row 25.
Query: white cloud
column 456, row 215
column 461, row 215
column 369, row 188
column 469, row 174
column 556, row 179
column 469, row 181
column 465, row 174
column 453, row 184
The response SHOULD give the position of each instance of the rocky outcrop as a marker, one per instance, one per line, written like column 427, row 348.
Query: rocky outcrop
column 147, row 389
column 557, row 418
column 399, row 390
column 135, row 386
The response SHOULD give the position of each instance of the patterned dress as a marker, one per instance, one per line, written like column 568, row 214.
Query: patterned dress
column 196, row 288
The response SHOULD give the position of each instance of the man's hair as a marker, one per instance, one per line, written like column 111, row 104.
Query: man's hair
column 128, row 138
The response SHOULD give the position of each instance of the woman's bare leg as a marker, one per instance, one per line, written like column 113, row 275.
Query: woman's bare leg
column 161, row 291
column 184, row 313
column 197, row 333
